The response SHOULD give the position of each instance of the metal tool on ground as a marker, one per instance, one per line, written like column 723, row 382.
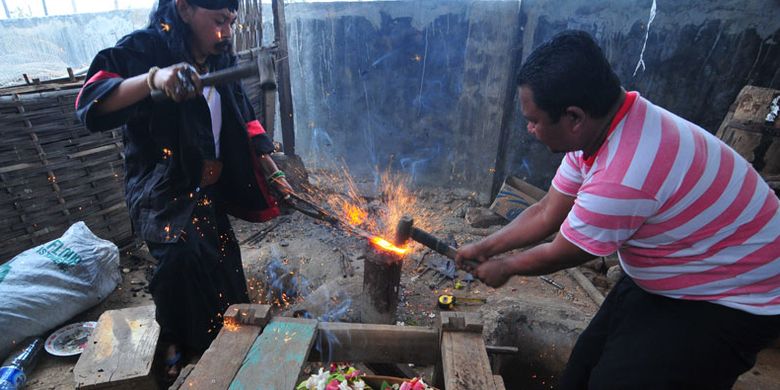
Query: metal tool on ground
column 262, row 66
column 406, row 230
column 448, row 301
column 551, row 282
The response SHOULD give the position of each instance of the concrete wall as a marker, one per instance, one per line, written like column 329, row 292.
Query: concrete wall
column 422, row 87
column 409, row 85
column 699, row 55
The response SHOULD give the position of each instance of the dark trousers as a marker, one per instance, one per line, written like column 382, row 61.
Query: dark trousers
column 639, row 340
column 197, row 278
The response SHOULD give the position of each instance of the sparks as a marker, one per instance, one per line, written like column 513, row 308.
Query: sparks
column 356, row 216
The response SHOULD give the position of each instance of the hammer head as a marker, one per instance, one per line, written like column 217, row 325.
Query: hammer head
column 404, row 230
column 265, row 70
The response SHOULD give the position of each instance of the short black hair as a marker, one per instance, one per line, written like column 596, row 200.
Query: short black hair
column 570, row 70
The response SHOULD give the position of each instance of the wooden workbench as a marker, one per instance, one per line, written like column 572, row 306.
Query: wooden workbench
column 256, row 351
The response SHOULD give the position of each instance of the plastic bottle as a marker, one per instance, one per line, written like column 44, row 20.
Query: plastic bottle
column 12, row 373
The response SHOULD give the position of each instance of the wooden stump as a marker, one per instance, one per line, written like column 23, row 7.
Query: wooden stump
column 381, row 281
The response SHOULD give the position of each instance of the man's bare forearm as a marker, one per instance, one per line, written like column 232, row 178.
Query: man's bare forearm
column 544, row 259
column 521, row 232
column 533, row 225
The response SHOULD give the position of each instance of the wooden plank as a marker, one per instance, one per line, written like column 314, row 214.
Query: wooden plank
column 374, row 343
column 183, row 375
column 465, row 362
column 220, row 363
column 507, row 114
column 275, row 360
column 498, row 382
column 283, row 79
column 534, row 193
column 460, row 321
column 120, row 352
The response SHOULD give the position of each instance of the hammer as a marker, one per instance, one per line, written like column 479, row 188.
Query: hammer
column 406, row 230
column 262, row 67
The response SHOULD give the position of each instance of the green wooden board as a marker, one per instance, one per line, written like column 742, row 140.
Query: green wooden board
column 277, row 356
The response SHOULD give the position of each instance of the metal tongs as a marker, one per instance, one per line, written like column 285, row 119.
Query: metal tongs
column 308, row 207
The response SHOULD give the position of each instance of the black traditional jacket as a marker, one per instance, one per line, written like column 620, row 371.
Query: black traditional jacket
column 165, row 144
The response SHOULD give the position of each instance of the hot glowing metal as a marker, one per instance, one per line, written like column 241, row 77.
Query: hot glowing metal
column 385, row 245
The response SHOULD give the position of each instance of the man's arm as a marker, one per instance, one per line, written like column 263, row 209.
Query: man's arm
column 137, row 88
column 129, row 92
column 533, row 225
column 539, row 260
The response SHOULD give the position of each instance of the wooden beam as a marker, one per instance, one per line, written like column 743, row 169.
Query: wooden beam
column 283, row 79
column 218, row 366
column 498, row 381
column 465, row 363
column 508, row 109
column 586, row 285
column 374, row 343
column 276, row 358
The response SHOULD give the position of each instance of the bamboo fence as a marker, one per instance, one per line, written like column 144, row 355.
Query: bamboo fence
column 54, row 172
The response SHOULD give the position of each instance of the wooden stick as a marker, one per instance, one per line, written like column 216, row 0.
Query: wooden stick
column 283, row 77
column 586, row 285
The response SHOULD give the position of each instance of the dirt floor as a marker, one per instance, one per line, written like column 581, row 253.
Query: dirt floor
column 325, row 267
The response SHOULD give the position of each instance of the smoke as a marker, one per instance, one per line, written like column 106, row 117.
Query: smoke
column 284, row 285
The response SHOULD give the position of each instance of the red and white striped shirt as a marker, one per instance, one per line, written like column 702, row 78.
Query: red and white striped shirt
column 688, row 216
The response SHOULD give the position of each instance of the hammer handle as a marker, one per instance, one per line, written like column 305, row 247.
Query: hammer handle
column 438, row 245
column 217, row 78
column 231, row 74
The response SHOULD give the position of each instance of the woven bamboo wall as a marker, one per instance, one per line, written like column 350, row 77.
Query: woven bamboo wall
column 249, row 25
column 54, row 172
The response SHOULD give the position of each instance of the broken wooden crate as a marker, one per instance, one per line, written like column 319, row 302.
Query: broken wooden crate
column 255, row 351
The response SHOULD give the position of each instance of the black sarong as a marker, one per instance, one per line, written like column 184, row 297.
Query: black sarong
column 198, row 277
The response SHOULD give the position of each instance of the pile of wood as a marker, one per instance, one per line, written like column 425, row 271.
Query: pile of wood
column 745, row 129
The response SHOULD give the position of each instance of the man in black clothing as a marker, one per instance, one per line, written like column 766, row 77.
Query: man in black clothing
column 189, row 161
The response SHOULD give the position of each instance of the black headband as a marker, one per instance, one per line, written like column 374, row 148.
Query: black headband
column 231, row 5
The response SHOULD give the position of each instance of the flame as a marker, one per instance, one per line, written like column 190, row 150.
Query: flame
column 219, row 35
column 338, row 191
column 385, row 245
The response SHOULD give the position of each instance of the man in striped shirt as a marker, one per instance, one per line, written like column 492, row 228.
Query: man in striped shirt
column 697, row 230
